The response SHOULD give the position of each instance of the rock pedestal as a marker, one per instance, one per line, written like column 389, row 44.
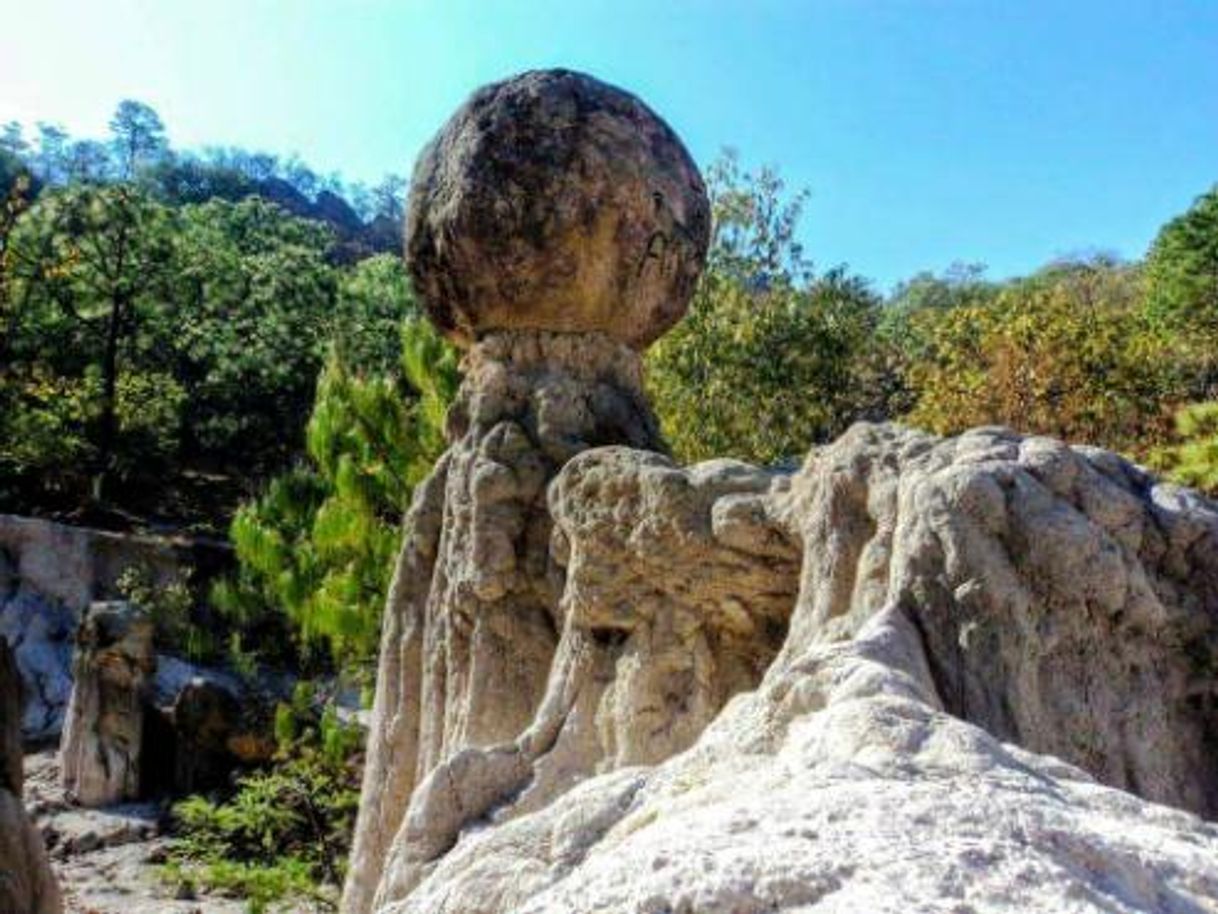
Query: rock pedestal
column 103, row 732
column 556, row 226
column 609, row 683
column 472, row 621
column 27, row 885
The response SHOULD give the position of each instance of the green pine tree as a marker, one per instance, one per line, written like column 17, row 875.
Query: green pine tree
column 1193, row 459
column 316, row 550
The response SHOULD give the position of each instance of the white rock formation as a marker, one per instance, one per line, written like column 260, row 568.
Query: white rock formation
column 921, row 674
column 556, row 227
column 470, row 629
column 837, row 787
column 842, row 783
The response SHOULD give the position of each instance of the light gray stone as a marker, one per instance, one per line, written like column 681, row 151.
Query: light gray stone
column 472, row 624
column 41, row 633
column 838, row 786
column 1000, row 654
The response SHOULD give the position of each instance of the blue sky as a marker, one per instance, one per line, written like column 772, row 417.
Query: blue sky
column 928, row 132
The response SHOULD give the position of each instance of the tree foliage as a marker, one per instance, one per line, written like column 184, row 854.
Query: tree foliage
column 1182, row 268
column 164, row 316
column 87, row 274
column 138, row 137
column 774, row 357
column 1182, row 290
column 1191, row 455
column 762, row 375
column 256, row 312
column 771, row 357
column 150, row 338
column 285, row 833
column 1068, row 353
column 318, row 546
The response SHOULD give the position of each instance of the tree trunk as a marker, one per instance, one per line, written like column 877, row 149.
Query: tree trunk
column 109, row 420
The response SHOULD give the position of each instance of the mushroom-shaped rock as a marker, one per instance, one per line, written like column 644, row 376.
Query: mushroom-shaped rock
column 552, row 201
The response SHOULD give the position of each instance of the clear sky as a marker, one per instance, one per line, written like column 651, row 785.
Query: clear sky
column 1005, row 132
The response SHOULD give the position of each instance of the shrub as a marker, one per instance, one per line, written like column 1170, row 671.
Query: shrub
column 1192, row 457
column 286, row 831
column 1066, row 353
column 171, row 607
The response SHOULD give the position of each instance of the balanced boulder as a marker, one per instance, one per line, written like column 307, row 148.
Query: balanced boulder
column 918, row 674
column 553, row 201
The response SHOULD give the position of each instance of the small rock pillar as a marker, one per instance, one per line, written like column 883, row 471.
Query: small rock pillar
column 103, row 732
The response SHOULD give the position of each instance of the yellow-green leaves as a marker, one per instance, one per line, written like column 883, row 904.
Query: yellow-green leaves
column 1067, row 353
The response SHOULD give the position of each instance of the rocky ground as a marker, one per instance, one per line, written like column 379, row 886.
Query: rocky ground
column 106, row 859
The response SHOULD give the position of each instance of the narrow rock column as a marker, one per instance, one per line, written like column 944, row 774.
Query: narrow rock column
column 26, row 882
column 472, row 620
column 11, row 750
column 100, row 750
column 556, row 227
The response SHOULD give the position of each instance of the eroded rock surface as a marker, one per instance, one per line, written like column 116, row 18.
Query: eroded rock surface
column 609, row 683
column 869, row 769
column 1067, row 600
column 103, row 737
column 472, row 625
column 839, row 786
column 552, row 201
column 556, row 226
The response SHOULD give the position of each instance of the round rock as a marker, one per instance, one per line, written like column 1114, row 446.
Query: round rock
column 553, row 201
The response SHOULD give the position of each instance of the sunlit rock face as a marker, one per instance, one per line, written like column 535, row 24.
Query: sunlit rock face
column 958, row 606
column 963, row 674
column 100, row 753
column 553, row 201
column 473, row 622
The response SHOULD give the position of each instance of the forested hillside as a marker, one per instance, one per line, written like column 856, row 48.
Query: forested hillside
column 166, row 313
